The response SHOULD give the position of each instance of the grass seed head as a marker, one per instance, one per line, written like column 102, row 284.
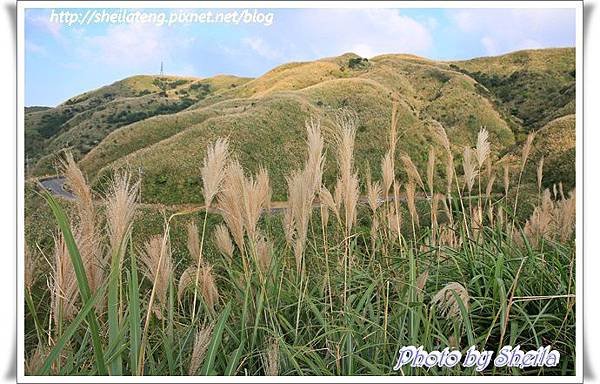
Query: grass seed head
column 201, row 342
column 447, row 302
column 482, row 149
column 212, row 171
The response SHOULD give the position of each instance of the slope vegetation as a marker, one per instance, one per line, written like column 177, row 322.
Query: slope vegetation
column 510, row 95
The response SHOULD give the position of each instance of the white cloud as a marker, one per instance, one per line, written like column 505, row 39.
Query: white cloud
column 371, row 31
column 135, row 45
column 42, row 21
column 432, row 22
column 259, row 46
column 489, row 45
column 504, row 30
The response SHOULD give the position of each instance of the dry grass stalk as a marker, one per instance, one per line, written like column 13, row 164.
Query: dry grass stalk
column 223, row 241
column 36, row 359
column 316, row 158
column 264, row 250
column 85, row 227
column 482, row 149
column 394, row 128
column 374, row 232
column 506, row 178
column 476, row 221
column 439, row 134
column 447, row 237
column 255, row 193
column 410, row 201
column 469, row 168
column 387, row 171
column 411, row 170
column 201, row 343
column 347, row 187
column 560, row 190
column 435, row 201
column 488, row 167
column 64, row 283
column 447, row 302
column 207, row 286
column 337, row 196
column 230, row 203
column 430, row 169
column 566, row 211
column 527, row 149
column 300, row 200
column 271, row 358
column 205, row 281
column 540, row 174
column 193, row 242
column 158, row 268
column 212, row 172
column 80, row 188
column 120, row 209
column 489, row 186
column 298, row 214
column 351, row 198
column 394, row 221
column 500, row 216
column 326, row 204
column 448, row 212
column 373, row 193
column 30, row 269
column 421, row 282
column 450, row 173
column 303, row 186
column 551, row 220
column 374, row 201
column 120, row 212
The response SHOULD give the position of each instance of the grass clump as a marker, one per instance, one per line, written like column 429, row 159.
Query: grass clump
column 335, row 285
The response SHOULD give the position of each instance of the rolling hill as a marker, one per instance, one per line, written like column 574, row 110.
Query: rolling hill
column 160, row 126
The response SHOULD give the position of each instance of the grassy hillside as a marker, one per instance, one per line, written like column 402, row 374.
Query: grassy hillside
column 556, row 142
column 534, row 86
column 82, row 122
column 264, row 117
column 267, row 126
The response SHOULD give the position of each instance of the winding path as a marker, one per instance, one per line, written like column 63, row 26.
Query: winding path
column 56, row 186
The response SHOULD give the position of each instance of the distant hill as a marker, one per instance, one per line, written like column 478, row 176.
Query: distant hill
column 161, row 126
column 83, row 121
column 36, row 108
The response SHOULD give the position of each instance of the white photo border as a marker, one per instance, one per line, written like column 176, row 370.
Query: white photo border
column 577, row 5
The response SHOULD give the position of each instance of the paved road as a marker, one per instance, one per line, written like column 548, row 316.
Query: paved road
column 56, row 186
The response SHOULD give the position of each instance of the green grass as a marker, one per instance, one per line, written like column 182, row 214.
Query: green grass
column 383, row 313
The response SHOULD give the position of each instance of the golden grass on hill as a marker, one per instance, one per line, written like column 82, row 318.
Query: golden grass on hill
column 427, row 266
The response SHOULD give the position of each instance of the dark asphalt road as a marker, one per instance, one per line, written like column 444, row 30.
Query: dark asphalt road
column 56, row 186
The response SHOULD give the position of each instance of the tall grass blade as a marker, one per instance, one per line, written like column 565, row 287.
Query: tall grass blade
column 215, row 342
column 69, row 332
column 82, row 282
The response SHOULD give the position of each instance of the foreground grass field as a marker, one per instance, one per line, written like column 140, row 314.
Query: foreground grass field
column 351, row 271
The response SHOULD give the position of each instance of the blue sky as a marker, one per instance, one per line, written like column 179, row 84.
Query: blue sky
column 62, row 61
